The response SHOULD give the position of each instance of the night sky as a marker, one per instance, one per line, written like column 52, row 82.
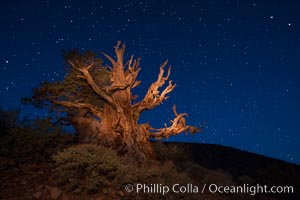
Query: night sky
column 236, row 63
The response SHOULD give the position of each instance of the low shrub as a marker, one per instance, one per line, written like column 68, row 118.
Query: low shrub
column 87, row 167
column 90, row 168
column 151, row 172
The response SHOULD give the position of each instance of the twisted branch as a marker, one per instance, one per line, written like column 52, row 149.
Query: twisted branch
column 178, row 126
column 153, row 97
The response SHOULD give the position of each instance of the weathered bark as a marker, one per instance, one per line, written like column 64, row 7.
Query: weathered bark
column 88, row 129
column 116, row 124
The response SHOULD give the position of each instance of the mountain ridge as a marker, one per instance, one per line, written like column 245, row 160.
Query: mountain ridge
column 239, row 163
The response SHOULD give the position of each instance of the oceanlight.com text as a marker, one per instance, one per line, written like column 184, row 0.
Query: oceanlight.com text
column 250, row 189
column 211, row 188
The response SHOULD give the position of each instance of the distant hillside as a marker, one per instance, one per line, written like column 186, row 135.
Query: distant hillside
column 238, row 163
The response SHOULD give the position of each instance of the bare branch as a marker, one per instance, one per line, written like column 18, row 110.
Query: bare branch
column 153, row 97
column 113, row 62
column 90, row 65
column 73, row 65
column 120, row 52
column 136, row 84
column 167, row 90
column 178, row 126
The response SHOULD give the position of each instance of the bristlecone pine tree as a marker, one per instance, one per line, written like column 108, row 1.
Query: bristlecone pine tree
column 97, row 101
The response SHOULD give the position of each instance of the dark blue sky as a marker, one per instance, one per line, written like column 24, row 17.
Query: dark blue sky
column 236, row 63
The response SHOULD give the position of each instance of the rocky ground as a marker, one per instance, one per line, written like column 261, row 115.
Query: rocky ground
column 35, row 181
column 27, row 182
